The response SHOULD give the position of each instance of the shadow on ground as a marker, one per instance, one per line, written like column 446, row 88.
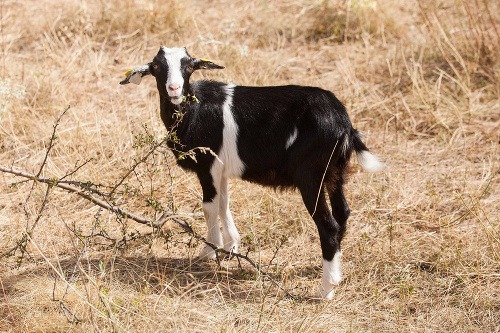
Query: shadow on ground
column 153, row 275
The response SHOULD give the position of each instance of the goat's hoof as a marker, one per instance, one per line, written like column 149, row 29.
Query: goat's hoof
column 207, row 253
column 233, row 248
column 326, row 293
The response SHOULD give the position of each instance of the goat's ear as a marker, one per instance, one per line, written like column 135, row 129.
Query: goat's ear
column 205, row 64
column 135, row 75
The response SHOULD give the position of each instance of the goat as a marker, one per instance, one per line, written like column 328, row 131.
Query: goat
column 280, row 136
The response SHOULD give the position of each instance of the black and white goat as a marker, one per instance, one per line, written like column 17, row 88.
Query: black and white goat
column 284, row 136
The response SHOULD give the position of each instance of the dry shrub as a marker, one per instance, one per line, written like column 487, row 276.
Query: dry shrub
column 466, row 42
column 461, row 61
column 441, row 79
column 117, row 20
column 324, row 21
column 342, row 21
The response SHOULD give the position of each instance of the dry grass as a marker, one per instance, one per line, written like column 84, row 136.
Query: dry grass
column 422, row 249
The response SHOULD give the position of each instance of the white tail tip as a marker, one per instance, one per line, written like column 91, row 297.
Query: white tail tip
column 369, row 162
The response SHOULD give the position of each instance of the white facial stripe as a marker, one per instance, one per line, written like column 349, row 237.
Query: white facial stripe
column 173, row 57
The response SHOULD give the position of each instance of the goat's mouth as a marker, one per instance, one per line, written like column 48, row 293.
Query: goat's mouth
column 175, row 95
column 176, row 99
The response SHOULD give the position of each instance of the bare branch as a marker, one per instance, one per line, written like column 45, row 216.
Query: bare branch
column 23, row 242
column 139, row 219
column 52, row 141
column 77, row 168
column 136, row 164
column 87, row 186
column 80, row 192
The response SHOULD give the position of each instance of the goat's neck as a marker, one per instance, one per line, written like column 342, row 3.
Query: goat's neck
column 172, row 114
column 168, row 113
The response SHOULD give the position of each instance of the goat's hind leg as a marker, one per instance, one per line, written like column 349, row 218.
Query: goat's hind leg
column 341, row 212
column 329, row 231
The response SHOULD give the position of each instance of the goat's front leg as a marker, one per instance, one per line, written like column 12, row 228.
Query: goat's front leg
column 229, row 231
column 211, row 189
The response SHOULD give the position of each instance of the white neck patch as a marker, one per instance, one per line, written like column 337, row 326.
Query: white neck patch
column 173, row 57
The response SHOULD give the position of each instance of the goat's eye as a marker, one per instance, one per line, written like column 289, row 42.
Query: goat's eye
column 155, row 67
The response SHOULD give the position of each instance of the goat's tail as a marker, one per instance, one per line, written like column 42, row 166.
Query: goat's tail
column 367, row 160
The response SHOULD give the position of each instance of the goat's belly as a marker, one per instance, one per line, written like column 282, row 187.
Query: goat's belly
column 269, row 177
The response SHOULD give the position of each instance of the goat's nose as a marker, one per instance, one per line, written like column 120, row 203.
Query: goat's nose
column 173, row 87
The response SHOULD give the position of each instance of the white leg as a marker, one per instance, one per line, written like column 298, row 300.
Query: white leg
column 332, row 275
column 211, row 212
column 229, row 231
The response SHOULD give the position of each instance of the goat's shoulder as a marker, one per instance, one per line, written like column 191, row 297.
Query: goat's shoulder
column 210, row 92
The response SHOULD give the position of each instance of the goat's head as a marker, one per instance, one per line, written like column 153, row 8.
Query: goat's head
column 172, row 68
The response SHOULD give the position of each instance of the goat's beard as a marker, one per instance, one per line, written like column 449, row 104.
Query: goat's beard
column 176, row 100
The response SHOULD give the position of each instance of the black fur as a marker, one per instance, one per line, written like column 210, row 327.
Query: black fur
column 315, row 163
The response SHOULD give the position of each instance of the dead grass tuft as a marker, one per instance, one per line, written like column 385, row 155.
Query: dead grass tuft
column 340, row 22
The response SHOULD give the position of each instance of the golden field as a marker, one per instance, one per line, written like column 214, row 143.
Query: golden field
column 422, row 248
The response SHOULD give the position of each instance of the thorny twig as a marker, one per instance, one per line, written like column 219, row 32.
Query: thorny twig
column 81, row 193
column 70, row 315
column 136, row 164
column 23, row 242
column 87, row 186
column 69, row 174
column 53, row 137
column 283, row 240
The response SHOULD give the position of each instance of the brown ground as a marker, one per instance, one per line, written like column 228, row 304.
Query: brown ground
column 421, row 254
